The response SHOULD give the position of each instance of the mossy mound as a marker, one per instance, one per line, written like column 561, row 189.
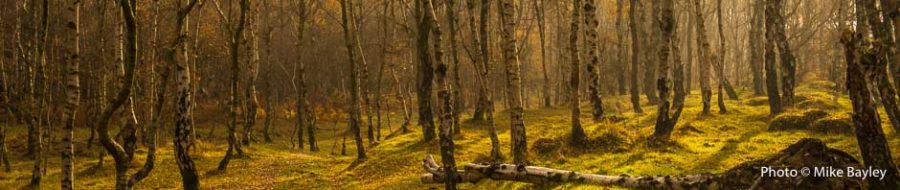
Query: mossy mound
column 817, row 103
column 794, row 120
column 835, row 124
column 546, row 146
column 757, row 101
column 613, row 139
column 806, row 152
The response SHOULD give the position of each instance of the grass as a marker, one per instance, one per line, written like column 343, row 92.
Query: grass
column 703, row 144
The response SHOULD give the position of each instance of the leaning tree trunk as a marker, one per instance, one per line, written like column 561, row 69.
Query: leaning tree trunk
column 346, row 8
column 704, row 58
column 666, row 121
column 883, row 47
column 183, row 118
column 593, row 67
column 635, row 56
column 73, row 91
column 869, row 135
column 771, row 72
column 233, row 144
column 513, row 88
column 577, row 135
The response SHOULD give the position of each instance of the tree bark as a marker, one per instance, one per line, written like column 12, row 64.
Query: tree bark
column 788, row 65
column 704, row 58
column 253, row 72
column 720, row 61
column 593, row 67
column 869, row 135
column 621, row 64
column 444, row 88
column 73, row 92
column 426, row 76
column 473, row 173
column 513, row 89
column 237, row 34
column 183, row 117
column 577, row 136
column 756, row 51
column 666, row 121
column 883, row 47
column 635, row 56
column 456, row 85
column 346, row 8
column 775, row 106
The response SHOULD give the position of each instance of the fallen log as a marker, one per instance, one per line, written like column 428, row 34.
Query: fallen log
column 804, row 153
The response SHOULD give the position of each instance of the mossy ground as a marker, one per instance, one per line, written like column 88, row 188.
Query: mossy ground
column 702, row 144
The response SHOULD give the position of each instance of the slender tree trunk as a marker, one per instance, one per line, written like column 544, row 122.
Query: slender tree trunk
column 539, row 12
column 426, row 75
column 771, row 72
column 446, row 105
column 593, row 67
column 621, row 64
column 117, row 151
column 704, row 59
column 73, row 92
column 253, row 72
column 635, row 55
column 456, row 88
column 720, row 61
column 756, row 50
column 351, row 44
column 577, row 136
column 513, row 89
column 650, row 39
column 869, row 135
column 183, row 117
column 237, row 34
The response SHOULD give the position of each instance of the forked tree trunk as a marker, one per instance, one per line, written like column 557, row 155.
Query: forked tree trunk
column 666, row 120
column 234, row 99
column 513, row 89
column 355, row 119
column 883, row 47
column 869, row 135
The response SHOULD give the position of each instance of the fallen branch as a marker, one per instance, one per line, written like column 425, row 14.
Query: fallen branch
column 803, row 153
column 540, row 175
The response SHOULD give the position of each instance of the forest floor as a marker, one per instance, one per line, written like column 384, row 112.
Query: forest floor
column 710, row 144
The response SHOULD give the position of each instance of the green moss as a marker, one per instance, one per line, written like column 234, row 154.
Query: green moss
column 794, row 120
column 835, row 124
